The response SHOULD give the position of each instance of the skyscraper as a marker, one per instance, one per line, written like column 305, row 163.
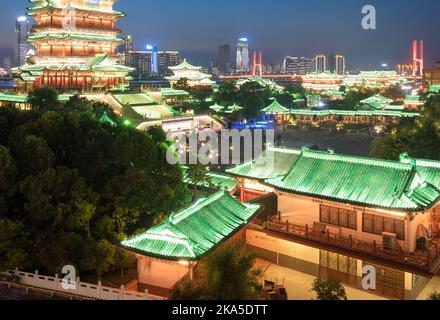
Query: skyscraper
column 154, row 60
column 128, row 47
column 224, row 58
column 141, row 62
column 243, row 59
column 168, row 59
column 7, row 63
column 22, row 47
column 340, row 68
column 298, row 65
column 321, row 64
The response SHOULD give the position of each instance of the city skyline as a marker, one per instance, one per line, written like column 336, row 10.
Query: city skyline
column 338, row 31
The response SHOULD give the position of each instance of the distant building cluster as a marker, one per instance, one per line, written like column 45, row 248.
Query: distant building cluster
column 149, row 62
column 319, row 64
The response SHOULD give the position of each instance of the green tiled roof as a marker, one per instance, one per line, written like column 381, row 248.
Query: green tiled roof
column 23, row 98
column 135, row 99
column 395, row 108
column 216, row 107
column 429, row 170
column 377, row 101
column 434, row 88
column 170, row 92
column 106, row 119
column 412, row 98
column 234, row 108
column 275, row 107
column 74, row 36
column 156, row 111
column 57, row 5
column 283, row 159
column 363, row 181
column 221, row 181
column 185, row 65
column 368, row 113
column 224, row 182
column 193, row 232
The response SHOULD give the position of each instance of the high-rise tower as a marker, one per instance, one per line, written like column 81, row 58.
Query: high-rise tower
column 340, row 67
column 418, row 58
column 22, row 46
column 321, row 64
column 224, row 58
column 243, row 59
column 75, row 43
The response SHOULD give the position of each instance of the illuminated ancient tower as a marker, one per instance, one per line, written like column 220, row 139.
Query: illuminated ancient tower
column 75, row 43
column 418, row 58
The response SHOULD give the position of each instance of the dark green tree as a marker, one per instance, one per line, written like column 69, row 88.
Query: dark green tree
column 43, row 98
column 419, row 137
column 99, row 256
column 226, row 93
column 394, row 92
column 33, row 155
column 13, row 242
column 8, row 173
column 329, row 290
column 198, row 178
column 227, row 274
column 434, row 296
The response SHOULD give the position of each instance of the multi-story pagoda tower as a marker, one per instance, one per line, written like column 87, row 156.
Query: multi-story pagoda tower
column 75, row 43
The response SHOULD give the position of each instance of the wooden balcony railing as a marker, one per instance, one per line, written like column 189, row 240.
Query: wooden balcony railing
column 426, row 260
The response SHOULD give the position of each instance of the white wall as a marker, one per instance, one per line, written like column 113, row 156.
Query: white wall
column 160, row 273
column 304, row 211
column 288, row 248
column 298, row 211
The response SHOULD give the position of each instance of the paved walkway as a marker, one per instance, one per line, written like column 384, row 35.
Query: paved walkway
column 431, row 287
column 298, row 284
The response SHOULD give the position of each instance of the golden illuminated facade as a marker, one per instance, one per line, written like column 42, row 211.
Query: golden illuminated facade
column 75, row 43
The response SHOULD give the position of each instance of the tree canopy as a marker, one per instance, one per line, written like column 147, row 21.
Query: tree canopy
column 71, row 187
column 227, row 274
column 328, row 289
column 419, row 137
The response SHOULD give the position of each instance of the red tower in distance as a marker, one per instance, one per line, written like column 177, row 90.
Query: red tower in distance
column 258, row 66
column 418, row 58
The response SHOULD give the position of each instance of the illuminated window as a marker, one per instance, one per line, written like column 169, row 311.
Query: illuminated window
column 378, row 225
column 338, row 217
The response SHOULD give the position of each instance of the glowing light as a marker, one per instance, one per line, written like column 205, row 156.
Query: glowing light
column 22, row 19
column 149, row 47
column 243, row 39
column 184, row 263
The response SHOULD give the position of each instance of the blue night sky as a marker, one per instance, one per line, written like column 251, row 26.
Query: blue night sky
column 278, row 27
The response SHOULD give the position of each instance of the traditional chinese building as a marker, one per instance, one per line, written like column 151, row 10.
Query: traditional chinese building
column 391, row 116
column 413, row 102
column 319, row 82
column 191, row 73
column 376, row 102
column 171, row 251
column 373, row 79
column 432, row 78
column 75, row 43
column 337, row 214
